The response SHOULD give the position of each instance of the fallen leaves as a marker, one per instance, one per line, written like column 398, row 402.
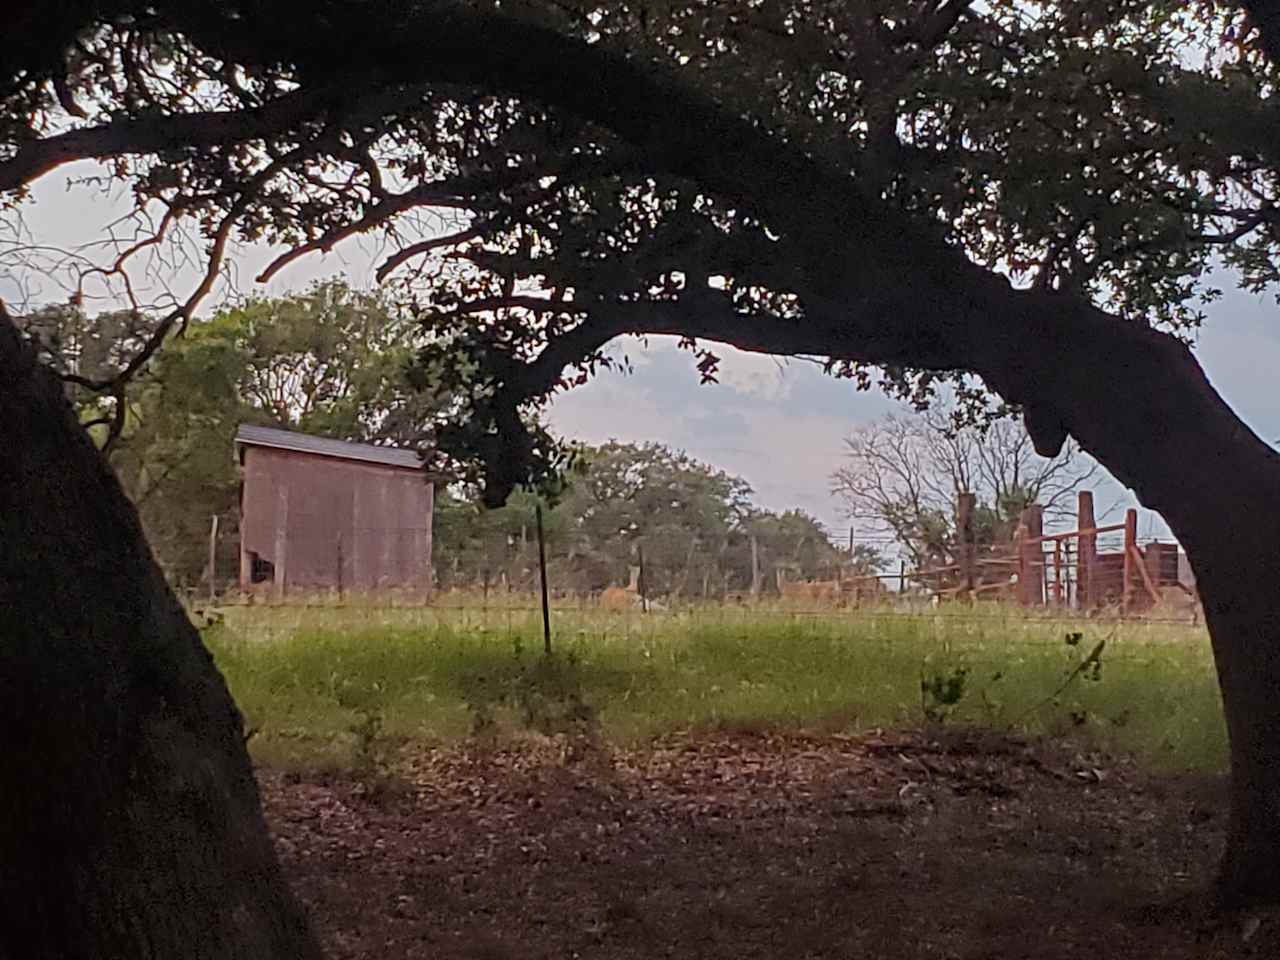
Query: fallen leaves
column 739, row 845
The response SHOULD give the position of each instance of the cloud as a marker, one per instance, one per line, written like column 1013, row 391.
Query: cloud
column 780, row 429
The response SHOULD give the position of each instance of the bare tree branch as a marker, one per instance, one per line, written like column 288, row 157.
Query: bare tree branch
column 426, row 246
column 905, row 474
column 425, row 195
column 189, row 131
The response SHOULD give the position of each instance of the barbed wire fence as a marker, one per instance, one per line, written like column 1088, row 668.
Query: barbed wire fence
column 404, row 567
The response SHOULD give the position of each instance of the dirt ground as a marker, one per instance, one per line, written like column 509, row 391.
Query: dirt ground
column 744, row 846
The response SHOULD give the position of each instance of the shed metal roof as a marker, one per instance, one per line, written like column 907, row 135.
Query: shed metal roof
column 251, row 436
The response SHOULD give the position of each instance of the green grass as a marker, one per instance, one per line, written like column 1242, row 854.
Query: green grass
column 308, row 679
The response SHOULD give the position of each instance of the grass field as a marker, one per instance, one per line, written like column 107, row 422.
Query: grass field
column 335, row 686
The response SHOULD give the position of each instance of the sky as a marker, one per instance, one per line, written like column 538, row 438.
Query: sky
column 778, row 424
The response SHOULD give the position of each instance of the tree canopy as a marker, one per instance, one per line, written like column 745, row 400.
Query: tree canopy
column 541, row 174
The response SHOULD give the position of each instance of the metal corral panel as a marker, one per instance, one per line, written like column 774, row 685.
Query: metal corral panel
column 335, row 522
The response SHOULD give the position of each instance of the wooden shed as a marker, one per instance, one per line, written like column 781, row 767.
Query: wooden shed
column 328, row 514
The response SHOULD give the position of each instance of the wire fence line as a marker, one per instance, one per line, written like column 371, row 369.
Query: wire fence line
column 377, row 565
column 1011, row 616
column 959, row 638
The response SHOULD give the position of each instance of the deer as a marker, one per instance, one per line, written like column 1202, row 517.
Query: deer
column 622, row 598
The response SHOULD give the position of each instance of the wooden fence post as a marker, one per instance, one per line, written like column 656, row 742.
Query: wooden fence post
column 1059, row 588
column 542, row 574
column 1086, row 550
column 280, row 557
column 755, row 567
column 1153, row 561
column 213, row 558
column 1031, row 557
column 968, row 548
column 1019, row 542
column 1130, row 546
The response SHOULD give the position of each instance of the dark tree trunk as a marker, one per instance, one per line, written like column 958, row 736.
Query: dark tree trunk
column 1140, row 402
column 130, row 823
column 1232, row 538
column 1239, row 580
column 1230, row 526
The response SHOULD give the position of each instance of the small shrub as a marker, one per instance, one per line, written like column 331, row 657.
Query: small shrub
column 941, row 692
column 367, row 730
column 546, row 693
column 1081, row 668
column 208, row 622
column 370, row 757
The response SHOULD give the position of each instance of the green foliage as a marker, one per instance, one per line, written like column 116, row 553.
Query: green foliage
column 797, row 544
column 1105, row 150
column 642, row 677
column 367, row 731
column 650, row 499
column 941, row 693
column 692, row 525
column 92, row 347
column 330, row 361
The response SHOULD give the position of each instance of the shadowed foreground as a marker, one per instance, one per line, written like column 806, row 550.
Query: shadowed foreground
column 736, row 845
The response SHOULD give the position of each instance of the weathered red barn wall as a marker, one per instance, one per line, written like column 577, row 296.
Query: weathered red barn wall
column 342, row 523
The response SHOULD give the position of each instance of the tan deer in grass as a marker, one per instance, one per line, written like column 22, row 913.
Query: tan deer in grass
column 821, row 591
column 1177, row 602
column 618, row 599
column 836, row 593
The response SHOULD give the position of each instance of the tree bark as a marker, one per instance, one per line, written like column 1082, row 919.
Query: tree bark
column 130, row 822
column 1138, row 401
column 1141, row 404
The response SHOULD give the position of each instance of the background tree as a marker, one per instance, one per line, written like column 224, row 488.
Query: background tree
column 330, row 361
column 622, row 500
column 796, row 545
column 692, row 523
column 86, row 349
column 494, row 548
column 903, row 475
column 650, row 498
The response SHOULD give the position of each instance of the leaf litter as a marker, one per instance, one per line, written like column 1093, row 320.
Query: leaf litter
column 741, row 844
